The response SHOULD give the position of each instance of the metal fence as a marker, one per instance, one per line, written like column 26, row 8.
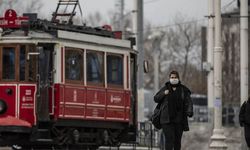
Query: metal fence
column 230, row 115
column 148, row 136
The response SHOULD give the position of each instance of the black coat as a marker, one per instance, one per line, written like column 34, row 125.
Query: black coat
column 244, row 115
column 244, row 118
column 160, row 97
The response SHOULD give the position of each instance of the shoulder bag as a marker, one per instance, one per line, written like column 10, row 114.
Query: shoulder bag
column 155, row 118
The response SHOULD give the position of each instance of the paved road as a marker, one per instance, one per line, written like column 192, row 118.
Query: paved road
column 107, row 148
column 127, row 148
column 5, row 148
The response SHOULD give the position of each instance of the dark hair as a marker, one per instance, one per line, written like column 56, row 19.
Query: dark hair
column 176, row 73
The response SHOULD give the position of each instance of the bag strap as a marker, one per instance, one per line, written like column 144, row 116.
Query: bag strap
column 158, row 106
column 182, row 93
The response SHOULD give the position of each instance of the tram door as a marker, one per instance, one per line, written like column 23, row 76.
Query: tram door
column 44, row 79
column 133, row 86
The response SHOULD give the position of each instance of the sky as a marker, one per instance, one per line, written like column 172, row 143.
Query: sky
column 157, row 12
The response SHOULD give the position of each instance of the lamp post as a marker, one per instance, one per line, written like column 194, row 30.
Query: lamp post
column 218, row 138
column 157, row 38
column 243, row 57
column 210, row 59
column 138, row 32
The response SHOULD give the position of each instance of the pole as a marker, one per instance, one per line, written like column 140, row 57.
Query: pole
column 157, row 39
column 244, row 50
column 122, row 19
column 218, row 138
column 138, row 31
column 156, row 70
column 243, row 57
column 210, row 59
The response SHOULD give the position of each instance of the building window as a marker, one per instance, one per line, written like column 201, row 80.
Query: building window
column 8, row 62
column 115, row 69
column 95, row 71
column 74, row 64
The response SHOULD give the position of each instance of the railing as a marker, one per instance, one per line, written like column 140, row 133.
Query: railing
column 147, row 135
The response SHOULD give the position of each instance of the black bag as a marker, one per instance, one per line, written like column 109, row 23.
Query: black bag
column 155, row 118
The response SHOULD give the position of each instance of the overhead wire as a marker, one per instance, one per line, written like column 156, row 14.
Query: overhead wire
column 175, row 24
column 150, row 1
column 228, row 4
column 188, row 22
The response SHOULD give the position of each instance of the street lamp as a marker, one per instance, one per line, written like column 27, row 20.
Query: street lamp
column 218, row 138
column 157, row 38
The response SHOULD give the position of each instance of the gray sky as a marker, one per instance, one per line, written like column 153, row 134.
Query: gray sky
column 158, row 12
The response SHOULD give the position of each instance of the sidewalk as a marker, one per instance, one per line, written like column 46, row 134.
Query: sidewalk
column 127, row 148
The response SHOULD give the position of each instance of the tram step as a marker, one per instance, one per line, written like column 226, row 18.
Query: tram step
column 43, row 134
column 44, row 140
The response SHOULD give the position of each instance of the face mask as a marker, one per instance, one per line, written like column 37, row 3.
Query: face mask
column 174, row 81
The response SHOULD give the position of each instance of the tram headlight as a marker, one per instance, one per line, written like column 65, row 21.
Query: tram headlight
column 3, row 106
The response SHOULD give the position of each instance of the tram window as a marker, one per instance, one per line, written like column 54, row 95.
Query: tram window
column 22, row 63
column 95, row 67
column 115, row 69
column 32, row 63
column 8, row 63
column 74, row 65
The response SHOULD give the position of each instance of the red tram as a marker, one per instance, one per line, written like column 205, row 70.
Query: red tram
column 64, row 85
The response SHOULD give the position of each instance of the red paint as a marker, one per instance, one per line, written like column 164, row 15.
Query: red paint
column 95, row 113
column 11, row 20
column 115, row 98
column 115, row 114
column 95, row 103
column 118, row 34
column 20, row 103
column 76, row 101
column 96, row 96
column 58, row 95
column 127, row 60
column 27, row 103
column 50, row 101
column 127, row 104
column 9, row 99
column 107, row 27
column 12, row 121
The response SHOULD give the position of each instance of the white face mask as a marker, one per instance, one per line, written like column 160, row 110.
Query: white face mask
column 174, row 81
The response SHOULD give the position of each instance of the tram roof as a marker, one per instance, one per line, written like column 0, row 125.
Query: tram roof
column 45, row 30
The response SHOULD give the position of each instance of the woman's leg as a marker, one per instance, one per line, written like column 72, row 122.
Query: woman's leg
column 169, row 133
column 247, row 135
column 178, row 136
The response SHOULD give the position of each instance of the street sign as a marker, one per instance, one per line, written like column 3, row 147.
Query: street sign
column 11, row 20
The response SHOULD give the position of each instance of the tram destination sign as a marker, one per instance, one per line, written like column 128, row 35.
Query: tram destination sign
column 11, row 20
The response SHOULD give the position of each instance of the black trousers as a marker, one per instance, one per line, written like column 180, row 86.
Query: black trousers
column 247, row 134
column 173, row 133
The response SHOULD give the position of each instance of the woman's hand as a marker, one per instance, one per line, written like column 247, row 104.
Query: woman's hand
column 166, row 92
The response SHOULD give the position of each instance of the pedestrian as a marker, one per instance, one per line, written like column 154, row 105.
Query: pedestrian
column 244, row 118
column 176, row 106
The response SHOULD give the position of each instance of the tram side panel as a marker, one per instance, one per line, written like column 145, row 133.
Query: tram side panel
column 80, row 102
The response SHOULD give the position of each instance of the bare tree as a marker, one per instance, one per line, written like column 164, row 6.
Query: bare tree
column 95, row 19
column 183, row 42
column 33, row 6
column 231, row 61
column 152, row 44
column 180, row 49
